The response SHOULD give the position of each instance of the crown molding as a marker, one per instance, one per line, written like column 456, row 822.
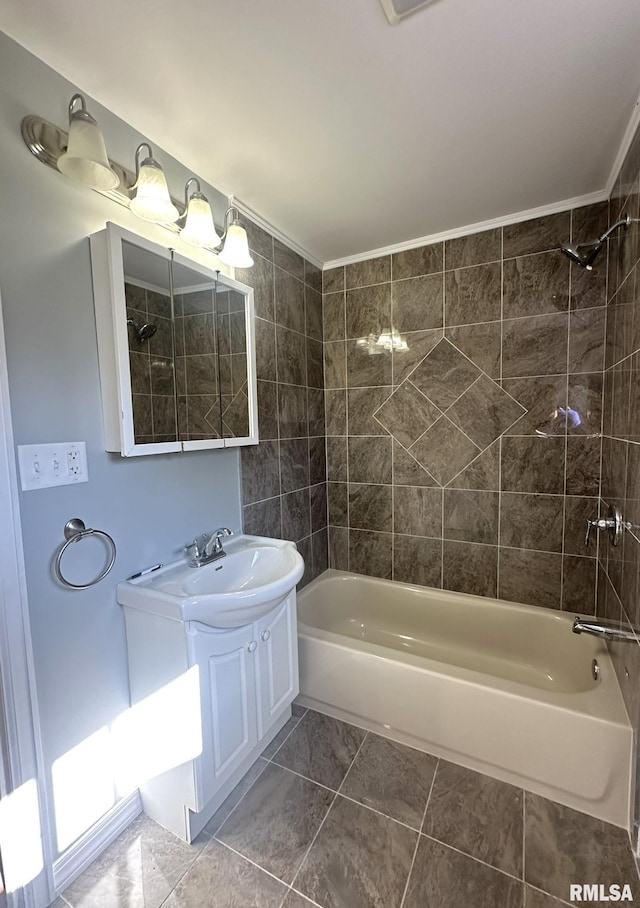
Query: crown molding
column 528, row 215
column 245, row 209
column 625, row 145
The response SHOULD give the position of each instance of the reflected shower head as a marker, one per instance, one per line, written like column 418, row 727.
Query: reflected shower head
column 143, row 332
column 585, row 254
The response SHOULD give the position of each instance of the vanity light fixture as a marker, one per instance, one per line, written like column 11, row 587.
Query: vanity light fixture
column 235, row 251
column 152, row 201
column 85, row 159
column 199, row 228
column 81, row 154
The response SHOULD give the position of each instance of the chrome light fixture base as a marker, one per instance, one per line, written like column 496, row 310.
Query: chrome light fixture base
column 48, row 143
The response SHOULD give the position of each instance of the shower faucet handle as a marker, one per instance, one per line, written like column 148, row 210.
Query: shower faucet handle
column 594, row 524
column 613, row 522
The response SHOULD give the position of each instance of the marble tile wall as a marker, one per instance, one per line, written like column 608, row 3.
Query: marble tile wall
column 437, row 473
column 151, row 366
column 197, row 365
column 617, row 594
column 284, row 477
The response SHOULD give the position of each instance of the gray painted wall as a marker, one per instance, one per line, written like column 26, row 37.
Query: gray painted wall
column 150, row 505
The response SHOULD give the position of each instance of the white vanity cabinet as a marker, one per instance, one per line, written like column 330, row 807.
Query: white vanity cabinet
column 277, row 652
column 247, row 678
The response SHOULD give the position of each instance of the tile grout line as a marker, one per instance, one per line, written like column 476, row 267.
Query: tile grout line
column 444, row 329
column 252, row 862
column 478, row 860
column 415, row 850
column 214, row 834
column 489, row 545
column 188, row 869
column 524, row 834
column 566, row 442
column 346, row 421
column 502, row 386
column 278, row 384
column 307, row 852
column 277, row 750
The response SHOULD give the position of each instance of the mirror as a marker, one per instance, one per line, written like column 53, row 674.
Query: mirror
column 176, row 348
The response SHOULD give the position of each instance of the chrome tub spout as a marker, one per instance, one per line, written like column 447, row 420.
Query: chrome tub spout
column 607, row 630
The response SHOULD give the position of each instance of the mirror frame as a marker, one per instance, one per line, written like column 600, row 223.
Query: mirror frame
column 113, row 344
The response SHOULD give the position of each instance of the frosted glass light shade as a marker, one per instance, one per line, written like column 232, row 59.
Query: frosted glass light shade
column 236, row 248
column 152, row 201
column 85, row 161
column 199, row 228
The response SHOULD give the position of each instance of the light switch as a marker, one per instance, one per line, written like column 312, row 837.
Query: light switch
column 57, row 464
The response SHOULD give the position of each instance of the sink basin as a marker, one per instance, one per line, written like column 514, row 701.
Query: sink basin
column 255, row 575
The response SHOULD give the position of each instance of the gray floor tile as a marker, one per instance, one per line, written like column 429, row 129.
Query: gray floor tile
column 109, row 892
column 563, row 846
column 444, row 878
column 533, row 898
column 295, row 900
column 222, row 879
column 140, row 868
column 321, row 748
column 280, row 738
column 276, row 821
column 359, row 860
column 391, row 778
column 234, row 797
column 478, row 815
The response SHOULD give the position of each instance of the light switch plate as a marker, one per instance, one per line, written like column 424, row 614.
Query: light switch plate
column 59, row 464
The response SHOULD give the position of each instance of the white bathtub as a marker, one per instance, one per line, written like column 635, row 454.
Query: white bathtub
column 501, row 688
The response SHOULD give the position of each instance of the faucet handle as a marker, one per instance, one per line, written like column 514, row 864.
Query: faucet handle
column 224, row 532
column 195, row 549
column 590, row 526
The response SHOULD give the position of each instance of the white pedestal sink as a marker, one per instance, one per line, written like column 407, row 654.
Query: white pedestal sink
column 253, row 577
column 213, row 670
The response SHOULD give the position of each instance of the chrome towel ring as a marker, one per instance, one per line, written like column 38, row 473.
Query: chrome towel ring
column 74, row 531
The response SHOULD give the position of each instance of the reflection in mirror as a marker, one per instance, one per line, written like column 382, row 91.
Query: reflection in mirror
column 150, row 336
column 176, row 349
column 197, row 381
column 232, row 350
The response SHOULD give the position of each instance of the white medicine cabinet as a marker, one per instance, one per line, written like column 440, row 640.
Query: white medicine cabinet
column 176, row 347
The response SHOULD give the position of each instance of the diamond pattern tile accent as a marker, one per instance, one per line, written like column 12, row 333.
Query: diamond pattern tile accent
column 485, row 412
column 444, row 450
column 445, row 413
column 444, row 374
column 407, row 414
column 236, row 415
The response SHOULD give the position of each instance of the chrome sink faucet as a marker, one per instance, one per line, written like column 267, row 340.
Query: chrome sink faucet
column 208, row 547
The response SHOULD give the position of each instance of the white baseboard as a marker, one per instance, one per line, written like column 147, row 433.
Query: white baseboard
column 77, row 858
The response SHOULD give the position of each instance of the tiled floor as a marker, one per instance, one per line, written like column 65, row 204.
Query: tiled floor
column 336, row 817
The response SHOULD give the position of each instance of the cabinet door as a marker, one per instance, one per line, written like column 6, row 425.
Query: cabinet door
column 278, row 681
column 227, row 663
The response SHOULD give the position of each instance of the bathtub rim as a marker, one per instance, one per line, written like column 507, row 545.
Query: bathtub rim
column 605, row 699
column 578, row 752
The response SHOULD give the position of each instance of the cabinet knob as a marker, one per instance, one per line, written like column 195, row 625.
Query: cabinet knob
column 252, row 647
column 265, row 635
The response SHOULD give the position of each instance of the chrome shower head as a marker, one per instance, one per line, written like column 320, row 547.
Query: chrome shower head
column 585, row 254
column 143, row 332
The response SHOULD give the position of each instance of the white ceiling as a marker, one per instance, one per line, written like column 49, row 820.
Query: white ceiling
column 349, row 134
